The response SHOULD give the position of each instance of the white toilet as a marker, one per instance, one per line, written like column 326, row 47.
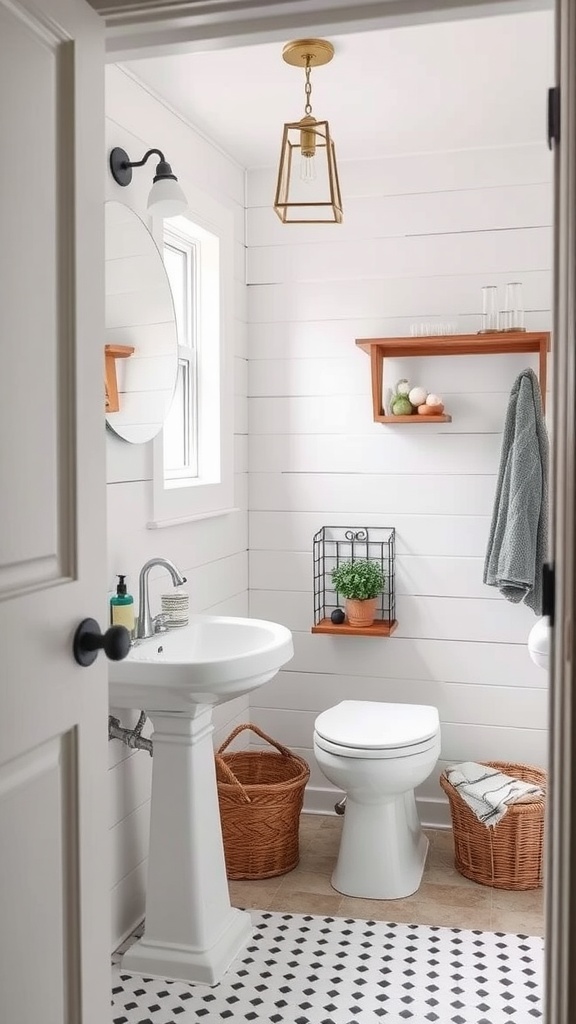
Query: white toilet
column 378, row 753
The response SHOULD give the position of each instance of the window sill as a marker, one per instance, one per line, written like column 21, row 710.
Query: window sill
column 159, row 524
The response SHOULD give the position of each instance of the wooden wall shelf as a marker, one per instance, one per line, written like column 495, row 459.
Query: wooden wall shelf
column 378, row 628
column 502, row 343
column 111, row 354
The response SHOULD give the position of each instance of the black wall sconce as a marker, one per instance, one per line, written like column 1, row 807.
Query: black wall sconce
column 166, row 198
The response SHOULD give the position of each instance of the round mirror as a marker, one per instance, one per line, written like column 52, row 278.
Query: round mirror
column 141, row 352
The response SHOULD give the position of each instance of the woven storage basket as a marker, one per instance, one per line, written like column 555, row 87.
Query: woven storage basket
column 509, row 855
column 260, row 794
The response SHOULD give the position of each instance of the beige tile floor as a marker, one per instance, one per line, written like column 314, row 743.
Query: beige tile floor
column 444, row 898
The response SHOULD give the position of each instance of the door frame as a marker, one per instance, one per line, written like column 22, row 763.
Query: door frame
column 560, row 980
column 142, row 28
column 153, row 28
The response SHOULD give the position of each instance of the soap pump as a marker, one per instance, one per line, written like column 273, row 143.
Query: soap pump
column 122, row 607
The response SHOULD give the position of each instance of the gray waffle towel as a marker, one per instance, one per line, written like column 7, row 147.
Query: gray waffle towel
column 518, row 539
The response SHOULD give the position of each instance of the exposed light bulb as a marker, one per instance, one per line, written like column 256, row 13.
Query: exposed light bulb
column 307, row 169
column 307, row 149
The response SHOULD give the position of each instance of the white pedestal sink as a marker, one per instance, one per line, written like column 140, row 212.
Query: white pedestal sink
column 192, row 932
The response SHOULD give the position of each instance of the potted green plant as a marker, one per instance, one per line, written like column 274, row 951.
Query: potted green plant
column 360, row 582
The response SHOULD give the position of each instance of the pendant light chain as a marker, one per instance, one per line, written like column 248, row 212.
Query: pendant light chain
column 308, row 88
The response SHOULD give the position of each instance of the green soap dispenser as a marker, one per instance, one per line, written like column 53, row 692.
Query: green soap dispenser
column 122, row 607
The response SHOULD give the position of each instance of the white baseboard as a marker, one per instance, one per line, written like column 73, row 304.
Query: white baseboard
column 434, row 812
column 128, row 899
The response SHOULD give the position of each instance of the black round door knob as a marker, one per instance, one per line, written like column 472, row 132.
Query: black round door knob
column 88, row 640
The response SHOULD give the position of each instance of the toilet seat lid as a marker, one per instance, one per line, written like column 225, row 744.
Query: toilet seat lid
column 371, row 725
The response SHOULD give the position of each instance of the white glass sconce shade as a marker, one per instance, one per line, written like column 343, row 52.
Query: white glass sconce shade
column 166, row 198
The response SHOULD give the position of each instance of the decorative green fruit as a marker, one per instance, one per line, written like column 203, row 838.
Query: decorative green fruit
column 401, row 406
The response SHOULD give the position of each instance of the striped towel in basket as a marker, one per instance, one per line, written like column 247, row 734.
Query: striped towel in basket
column 487, row 791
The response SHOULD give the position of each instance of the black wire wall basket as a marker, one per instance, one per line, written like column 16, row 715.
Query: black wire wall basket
column 336, row 544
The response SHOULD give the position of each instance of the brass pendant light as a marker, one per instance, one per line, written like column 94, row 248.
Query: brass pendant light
column 308, row 190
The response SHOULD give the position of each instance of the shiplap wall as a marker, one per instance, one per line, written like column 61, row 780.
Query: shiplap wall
column 421, row 235
column 212, row 553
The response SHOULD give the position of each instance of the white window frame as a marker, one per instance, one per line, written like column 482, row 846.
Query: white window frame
column 211, row 491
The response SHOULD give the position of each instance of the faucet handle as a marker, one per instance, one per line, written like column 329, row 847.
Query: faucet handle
column 160, row 622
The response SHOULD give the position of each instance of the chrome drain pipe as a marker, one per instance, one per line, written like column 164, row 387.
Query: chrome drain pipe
column 131, row 737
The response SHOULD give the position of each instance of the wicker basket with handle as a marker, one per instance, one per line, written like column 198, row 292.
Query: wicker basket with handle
column 260, row 793
column 510, row 854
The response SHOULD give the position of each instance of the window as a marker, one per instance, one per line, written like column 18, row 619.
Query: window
column 181, row 424
column 193, row 456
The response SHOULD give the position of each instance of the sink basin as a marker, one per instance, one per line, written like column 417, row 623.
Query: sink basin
column 213, row 659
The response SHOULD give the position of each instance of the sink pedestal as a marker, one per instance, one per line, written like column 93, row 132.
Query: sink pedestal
column 192, row 932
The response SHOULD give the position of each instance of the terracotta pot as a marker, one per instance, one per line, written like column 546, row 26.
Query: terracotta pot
column 361, row 613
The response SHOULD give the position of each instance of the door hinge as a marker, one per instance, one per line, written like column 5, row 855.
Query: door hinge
column 553, row 116
column 548, row 591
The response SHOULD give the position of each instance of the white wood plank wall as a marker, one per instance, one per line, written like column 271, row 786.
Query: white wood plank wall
column 212, row 553
column 421, row 236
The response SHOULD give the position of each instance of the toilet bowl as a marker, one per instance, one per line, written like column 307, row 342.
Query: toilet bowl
column 378, row 753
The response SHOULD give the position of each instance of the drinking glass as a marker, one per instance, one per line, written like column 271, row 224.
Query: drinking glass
column 489, row 309
column 515, row 305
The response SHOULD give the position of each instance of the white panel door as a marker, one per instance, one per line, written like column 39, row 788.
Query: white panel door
column 53, row 714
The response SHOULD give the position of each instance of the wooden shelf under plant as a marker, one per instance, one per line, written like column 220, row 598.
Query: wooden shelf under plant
column 378, row 628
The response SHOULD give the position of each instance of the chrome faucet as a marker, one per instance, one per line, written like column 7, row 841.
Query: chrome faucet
column 145, row 624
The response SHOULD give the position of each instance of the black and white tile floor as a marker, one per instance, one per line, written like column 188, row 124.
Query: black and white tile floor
column 303, row 969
